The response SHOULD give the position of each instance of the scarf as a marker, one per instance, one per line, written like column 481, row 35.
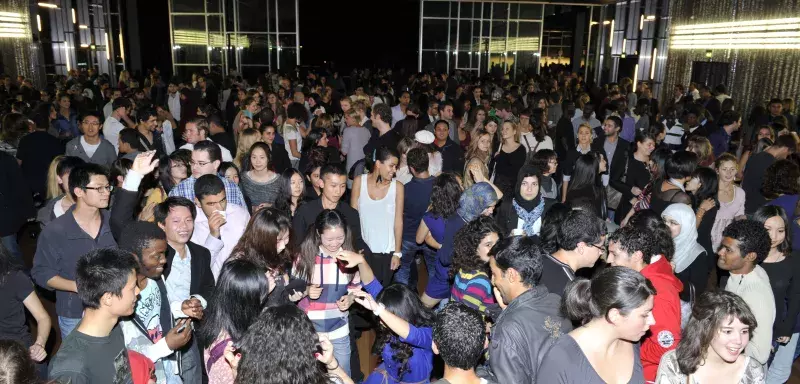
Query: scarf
column 529, row 218
column 475, row 200
column 686, row 247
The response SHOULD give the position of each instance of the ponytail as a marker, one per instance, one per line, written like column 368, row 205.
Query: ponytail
column 614, row 288
column 577, row 304
column 381, row 154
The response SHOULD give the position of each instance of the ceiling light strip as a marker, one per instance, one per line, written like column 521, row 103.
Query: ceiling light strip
column 735, row 35
column 756, row 28
column 793, row 20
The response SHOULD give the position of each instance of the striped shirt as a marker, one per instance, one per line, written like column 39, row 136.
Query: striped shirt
column 232, row 191
column 473, row 289
column 336, row 282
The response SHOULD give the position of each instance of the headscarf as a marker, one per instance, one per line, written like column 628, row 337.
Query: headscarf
column 686, row 247
column 475, row 200
column 528, row 210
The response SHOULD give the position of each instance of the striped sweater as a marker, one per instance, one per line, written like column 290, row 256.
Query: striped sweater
column 335, row 282
column 474, row 289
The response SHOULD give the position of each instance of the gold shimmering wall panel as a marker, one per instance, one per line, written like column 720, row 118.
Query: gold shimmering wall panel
column 20, row 55
column 755, row 74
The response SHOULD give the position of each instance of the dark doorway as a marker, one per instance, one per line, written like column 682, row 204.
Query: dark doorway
column 710, row 73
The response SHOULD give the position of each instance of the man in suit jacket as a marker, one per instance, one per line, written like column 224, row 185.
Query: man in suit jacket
column 187, row 273
column 616, row 150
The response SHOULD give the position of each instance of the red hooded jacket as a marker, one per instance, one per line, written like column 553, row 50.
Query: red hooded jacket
column 665, row 334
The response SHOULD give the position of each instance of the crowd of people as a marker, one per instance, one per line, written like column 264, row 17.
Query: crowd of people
column 222, row 230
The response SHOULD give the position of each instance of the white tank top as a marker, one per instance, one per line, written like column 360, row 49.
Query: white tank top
column 377, row 218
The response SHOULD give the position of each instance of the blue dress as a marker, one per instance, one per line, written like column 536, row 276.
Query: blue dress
column 439, row 284
column 435, row 225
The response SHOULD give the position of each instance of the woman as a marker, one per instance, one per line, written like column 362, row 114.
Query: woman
column 586, row 182
column 260, row 184
column 764, row 132
column 59, row 200
column 124, row 80
column 781, row 187
column 19, row 295
column 690, row 262
column 703, row 188
column 295, row 114
column 279, row 157
column 379, row 200
column 354, row 138
column 317, row 159
column 711, row 348
column 229, row 171
column 659, row 131
column 522, row 214
column 508, row 160
column 584, row 147
column 730, row 198
column 546, row 161
column 473, row 285
column 267, row 242
column 247, row 138
column 290, row 194
column 702, row 148
column 493, row 127
column 249, row 109
column 282, row 347
column 318, row 138
column 615, row 310
column 537, row 138
column 240, row 295
column 328, row 283
column 325, row 122
column 635, row 181
column 174, row 169
column 405, row 337
column 678, row 168
column 67, row 118
column 478, row 200
column 783, row 268
column 478, row 156
column 444, row 201
column 476, row 121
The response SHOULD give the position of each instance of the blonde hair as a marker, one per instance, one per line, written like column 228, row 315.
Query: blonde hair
column 353, row 114
column 324, row 121
column 468, row 180
column 474, row 152
column 517, row 133
column 582, row 100
column 247, row 138
column 53, row 186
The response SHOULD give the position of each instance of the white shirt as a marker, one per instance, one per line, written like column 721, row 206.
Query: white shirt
column 290, row 133
column 107, row 109
column 180, row 279
column 226, row 154
column 397, row 115
column 174, row 104
column 377, row 218
column 89, row 148
column 528, row 140
column 236, row 219
column 755, row 289
column 168, row 137
column 111, row 129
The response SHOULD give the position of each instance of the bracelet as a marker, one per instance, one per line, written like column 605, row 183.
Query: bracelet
column 377, row 311
column 333, row 369
column 398, row 254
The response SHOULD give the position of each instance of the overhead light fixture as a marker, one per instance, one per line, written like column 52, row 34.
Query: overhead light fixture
column 84, row 45
column 108, row 50
column 635, row 76
column 83, row 26
column 39, row 22
column 121, row 47
column 653, row 63
column 754, row 34
column 641, row 22
column 12, row 25
column 650, row 17
column 606, row 22
column 709, row 53
column 66, row 56
column 48, row 5
column 593, row 23
column 74, row 17
column 611, row 35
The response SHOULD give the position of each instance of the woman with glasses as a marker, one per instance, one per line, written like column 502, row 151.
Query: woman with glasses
column 546, row 161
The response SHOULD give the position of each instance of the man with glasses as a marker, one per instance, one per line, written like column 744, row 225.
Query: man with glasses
column 206, row 158
column 90, row 147
column 83, row 228
column 581, row 242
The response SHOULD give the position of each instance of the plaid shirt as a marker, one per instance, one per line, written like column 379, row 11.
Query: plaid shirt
column 336, row 283
column 232, row 192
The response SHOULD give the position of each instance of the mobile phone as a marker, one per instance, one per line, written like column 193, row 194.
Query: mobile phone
column 182, row 327
column 296, row 285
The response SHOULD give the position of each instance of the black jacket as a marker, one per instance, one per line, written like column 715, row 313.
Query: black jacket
column 617, row 164
column 16, row 201
column 507, row 217
column 452, row 157
column 306, row 215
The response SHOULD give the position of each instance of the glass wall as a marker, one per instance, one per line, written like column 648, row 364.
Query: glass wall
column 480, row 36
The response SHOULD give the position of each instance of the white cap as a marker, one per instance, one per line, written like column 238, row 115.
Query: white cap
column 424, row 137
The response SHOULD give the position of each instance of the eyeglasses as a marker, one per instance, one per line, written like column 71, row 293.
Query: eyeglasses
column 601, row 248
column 107, row 189
column 92, row 123
column 200, row 163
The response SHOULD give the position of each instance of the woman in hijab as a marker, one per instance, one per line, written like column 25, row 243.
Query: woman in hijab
column 478, row 200
column 690, row 261
column 522, row 215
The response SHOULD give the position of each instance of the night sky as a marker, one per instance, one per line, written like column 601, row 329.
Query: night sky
column 348, row 33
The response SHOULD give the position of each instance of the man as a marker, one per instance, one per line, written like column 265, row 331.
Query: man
column 198, row 130
column 218, row 134
column 636, row 249
column 108, row 108
column 721, row 138
column 580, row 240
column 565, row 137
column 208, row 91
column 130, row 144
column 415, row 203
column 90, row 146
column 218, row 225
column 95, row 352
column 187, row 274
column 147, row 122
column 113, row 125
column 82, row 228
column 149, row 330
column 587, row 117
column 504, row 111
column 35, row 152
column 616, row 151
column 757, row 167
column 399, row 110
column 386, row 136
column 459, row 337
column 745, row 244
column 620, row 108
column 445, row 114
column 531, row 320
column 432, row 115
column 710, row 103
column 452, row 154
column 554, row 110
column 174, row 99
column 206, row 159
column 696, row 122
column 476, row 95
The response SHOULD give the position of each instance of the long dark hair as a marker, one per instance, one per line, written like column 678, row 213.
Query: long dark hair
column 618, row 288
column 650, row 221
column 259, row 242
column 241, row 292
column 586, row 173
column 165, row 168
column 445, row 195
column 405, row 304
column 309, row 249
column 709, row 185
column 551, row 222
column 466, row 243
column 767, row 212
column 381, row 154
column 712, row 310
column 283, row 201
column 264, row 147
column 279, row 349
column 312, row 139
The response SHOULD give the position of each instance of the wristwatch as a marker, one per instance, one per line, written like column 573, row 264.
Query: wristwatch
column 398, row 254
